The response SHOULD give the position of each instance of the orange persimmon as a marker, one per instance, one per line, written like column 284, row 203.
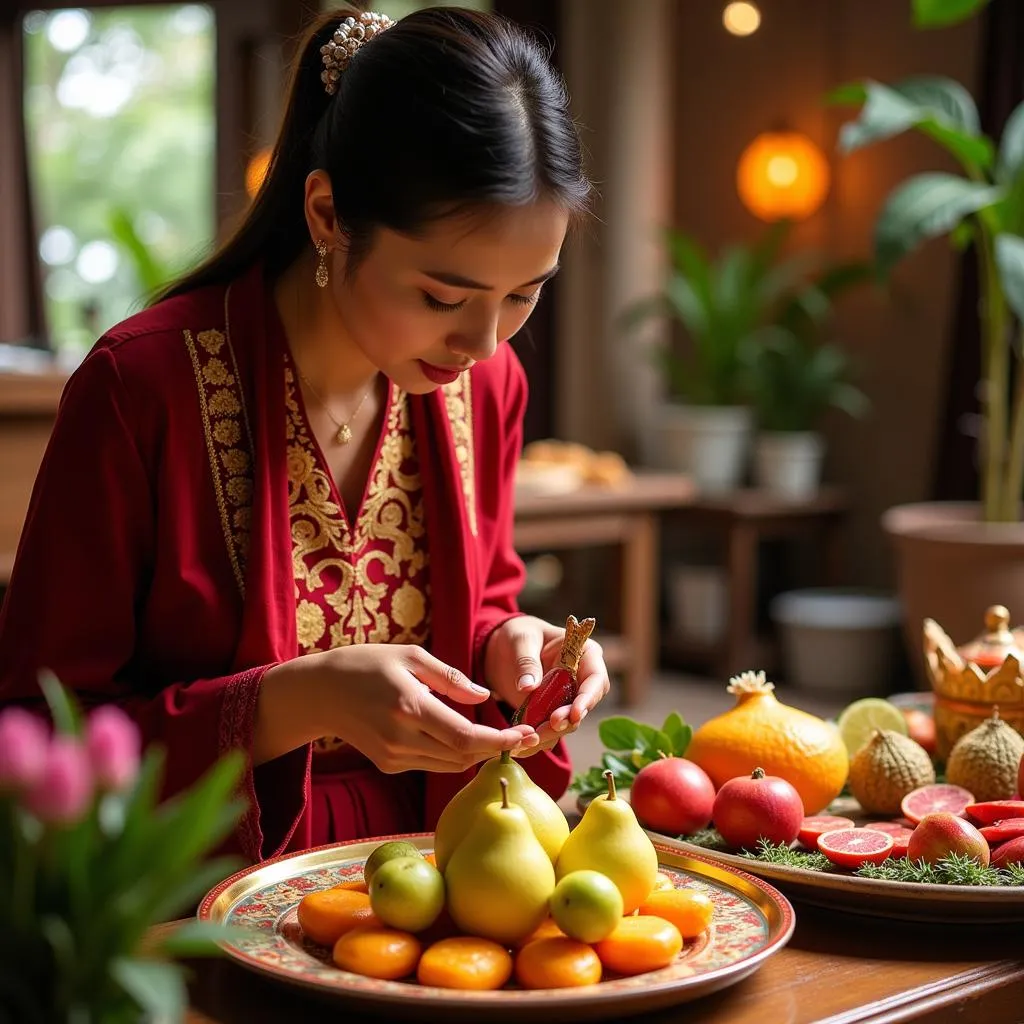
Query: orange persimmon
column 465, row 962
column 557, row 963
column 326, row 915
column 690, row 911
column 547, row 929
column 640, row 944
column 378, row 952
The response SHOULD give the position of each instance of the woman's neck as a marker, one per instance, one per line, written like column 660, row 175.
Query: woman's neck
column 319, row 344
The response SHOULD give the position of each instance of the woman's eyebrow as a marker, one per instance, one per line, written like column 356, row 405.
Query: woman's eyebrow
column 458, row 281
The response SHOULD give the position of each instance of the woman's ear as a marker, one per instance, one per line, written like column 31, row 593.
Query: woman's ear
column 319, row 208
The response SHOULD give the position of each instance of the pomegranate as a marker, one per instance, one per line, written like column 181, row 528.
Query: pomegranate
column 559, row 685
column 851, row 847
column 921, row 728
column 672, row 795
column 759, row 806
column 940, row 834
column 939, row 796
column 991, row 811
column 811, row 828
column 1003, row 831
column 1009, row 853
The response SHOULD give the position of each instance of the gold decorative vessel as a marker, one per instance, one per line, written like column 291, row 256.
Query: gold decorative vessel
column 971, row 680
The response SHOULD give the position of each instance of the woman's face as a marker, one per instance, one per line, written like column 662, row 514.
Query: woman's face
column 424, row 309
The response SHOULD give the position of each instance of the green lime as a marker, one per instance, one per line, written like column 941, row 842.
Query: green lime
column 858, row 722
column 385, row 852
column 586, row 905
column 407, row 893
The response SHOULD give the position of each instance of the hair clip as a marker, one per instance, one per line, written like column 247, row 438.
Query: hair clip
column 347, row 38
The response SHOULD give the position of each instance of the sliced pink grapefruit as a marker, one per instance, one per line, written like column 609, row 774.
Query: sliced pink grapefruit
column 852, row 847
column 940, row 796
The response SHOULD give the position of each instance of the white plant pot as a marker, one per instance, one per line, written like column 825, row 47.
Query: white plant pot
column 789, row 464
column 698, row 597
column 710, row 443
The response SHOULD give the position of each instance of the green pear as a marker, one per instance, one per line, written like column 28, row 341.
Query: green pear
column 610, row 840
column 499, row 879
column 546, row 818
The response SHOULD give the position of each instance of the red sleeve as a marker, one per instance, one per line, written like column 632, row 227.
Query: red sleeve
column 83, row 570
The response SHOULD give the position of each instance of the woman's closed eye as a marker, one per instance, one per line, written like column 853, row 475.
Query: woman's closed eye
column 438, row 306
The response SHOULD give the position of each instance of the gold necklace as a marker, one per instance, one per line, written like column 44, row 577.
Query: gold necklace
column 344, row 432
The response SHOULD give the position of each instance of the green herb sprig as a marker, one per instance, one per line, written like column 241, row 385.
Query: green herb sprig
column 956, row 869
column 779, row 853
column 629, row 746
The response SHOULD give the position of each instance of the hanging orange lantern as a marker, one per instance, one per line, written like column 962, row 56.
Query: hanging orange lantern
column 782, row 175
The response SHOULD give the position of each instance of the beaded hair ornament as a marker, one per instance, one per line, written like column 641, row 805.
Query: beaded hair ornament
column 347, row 38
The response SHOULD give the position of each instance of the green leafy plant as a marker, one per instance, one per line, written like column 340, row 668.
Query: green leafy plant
column 630, row 745
column 752, row 321
column 983, row 207
column 90, row 859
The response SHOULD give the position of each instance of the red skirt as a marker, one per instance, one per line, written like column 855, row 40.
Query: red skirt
column 353, row 799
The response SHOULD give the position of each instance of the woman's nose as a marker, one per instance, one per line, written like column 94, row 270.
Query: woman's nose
column 478, row 346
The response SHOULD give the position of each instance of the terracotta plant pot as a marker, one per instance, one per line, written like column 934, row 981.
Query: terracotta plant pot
column 950, row 568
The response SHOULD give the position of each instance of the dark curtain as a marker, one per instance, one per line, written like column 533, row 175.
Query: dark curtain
column 1000, row 88
column 535, row 343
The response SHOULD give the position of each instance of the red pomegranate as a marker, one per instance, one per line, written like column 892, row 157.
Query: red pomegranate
column 757, row 807
column 940, row 834
column 672, row 795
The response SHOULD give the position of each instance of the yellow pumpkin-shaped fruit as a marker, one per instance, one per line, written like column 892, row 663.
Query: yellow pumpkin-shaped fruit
column 762, row 732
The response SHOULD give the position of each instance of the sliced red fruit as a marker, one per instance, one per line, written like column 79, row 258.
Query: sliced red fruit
column 1008, row 853
column 991, row 811
column 940, row 796
column 816, row 824
column 900, row 835
column 1003, row 831
column 851, row 847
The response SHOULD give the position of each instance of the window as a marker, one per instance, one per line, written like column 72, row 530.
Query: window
column 120, row 122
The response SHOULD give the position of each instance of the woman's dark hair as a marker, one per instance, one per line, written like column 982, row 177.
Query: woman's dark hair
column 448, row 110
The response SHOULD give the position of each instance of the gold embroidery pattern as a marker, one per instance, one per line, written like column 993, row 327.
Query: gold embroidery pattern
column 459, row 402
column 343, row 577
column 224, row 423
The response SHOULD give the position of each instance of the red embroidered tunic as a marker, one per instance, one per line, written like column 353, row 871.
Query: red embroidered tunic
column 361, row 578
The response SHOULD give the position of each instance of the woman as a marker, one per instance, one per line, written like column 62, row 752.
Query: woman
column 276, row 509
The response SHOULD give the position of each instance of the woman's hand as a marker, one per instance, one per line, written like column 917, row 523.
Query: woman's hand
column 381, row 699
column 518, row 654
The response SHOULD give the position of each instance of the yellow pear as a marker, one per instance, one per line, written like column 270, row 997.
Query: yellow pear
column 546, row 819
column 499, row 879
column 609, row 839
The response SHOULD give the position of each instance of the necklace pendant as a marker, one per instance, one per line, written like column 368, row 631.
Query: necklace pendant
column 344, row 434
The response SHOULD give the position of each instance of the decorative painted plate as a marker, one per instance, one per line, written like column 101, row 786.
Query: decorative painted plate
column 874, row 897
column 752, row 921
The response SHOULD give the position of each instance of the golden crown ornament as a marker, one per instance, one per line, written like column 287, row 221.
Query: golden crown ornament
column 347, row 38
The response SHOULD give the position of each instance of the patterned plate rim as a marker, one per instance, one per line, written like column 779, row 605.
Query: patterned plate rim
column 774, row 906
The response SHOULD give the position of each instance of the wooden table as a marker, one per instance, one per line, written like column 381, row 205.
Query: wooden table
column 628, row 518
column 836, row 969
column 744, row 519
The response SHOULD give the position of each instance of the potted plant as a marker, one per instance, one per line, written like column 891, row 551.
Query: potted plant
column 89, row 860
column 795, row 377
column 955, row 559
column 723, row 306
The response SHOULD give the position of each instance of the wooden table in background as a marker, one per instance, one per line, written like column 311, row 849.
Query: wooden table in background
column 627, row 517
column 744, row 519
column 835, row 970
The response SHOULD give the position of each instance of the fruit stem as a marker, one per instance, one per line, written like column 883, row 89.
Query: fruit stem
column 504, row 792
column 757, row 773
column 611, row 783
column 576, row 636
column 506, row 757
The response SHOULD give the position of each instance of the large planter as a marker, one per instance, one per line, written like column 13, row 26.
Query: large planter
column 789, row 464
column 709, row 443
column 951, row 566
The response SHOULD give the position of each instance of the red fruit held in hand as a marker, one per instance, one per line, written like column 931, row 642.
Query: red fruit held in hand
column 559, row 685
column 758, row 807
column 673, row 796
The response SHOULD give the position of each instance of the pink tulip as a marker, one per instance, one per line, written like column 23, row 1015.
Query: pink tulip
column 63, row 791
column 113, row 741
column 23, row 743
